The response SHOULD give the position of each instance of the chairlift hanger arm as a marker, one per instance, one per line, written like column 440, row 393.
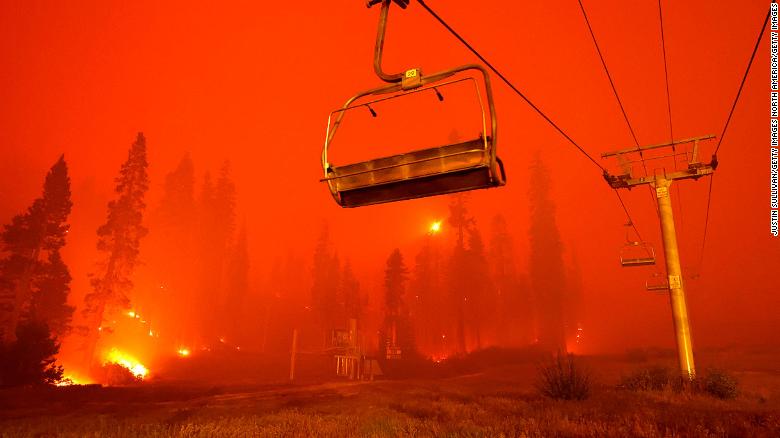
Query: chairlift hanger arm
column 380, row 40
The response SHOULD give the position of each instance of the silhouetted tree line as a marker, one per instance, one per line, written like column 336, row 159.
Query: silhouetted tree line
column 34, row 285
column 468, row 296
column 471, row 295
column 335, row 292
column 197, row 267
column 196, row 284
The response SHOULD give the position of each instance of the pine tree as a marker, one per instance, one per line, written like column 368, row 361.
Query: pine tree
column 237, row 286
column 573, row 301
column 26, row 240
column 119, row 241
column 325, row 284
column 350, row 289
column 225, row 204
column 50, row 300
column 29, row 360
column 177, row 207
column 458, row 268
column 546, row 261
column 395, row 283
column 207, row 259
column 513, row 315
column 482, row 301
column 397, row 330
column 286, row 304
column 166, row 277
column 217, row 215
column 423, row 293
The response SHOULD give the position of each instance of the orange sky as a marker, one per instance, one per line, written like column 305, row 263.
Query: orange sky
column 253, row 82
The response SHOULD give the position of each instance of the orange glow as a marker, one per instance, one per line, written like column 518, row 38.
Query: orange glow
column 85, row 81
column 127, row 361
column 184, row 352
column 439, row 358
column 70, row 380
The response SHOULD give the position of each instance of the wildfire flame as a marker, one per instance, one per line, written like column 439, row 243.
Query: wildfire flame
column 127, row 361
column 184, row 352
column 70, row 380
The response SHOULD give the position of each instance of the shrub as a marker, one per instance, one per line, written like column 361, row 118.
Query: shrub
column 714, row 382
column 564, row 378
column 30, row 359
column 117, row 375
column 654, row 378
column 718, row 383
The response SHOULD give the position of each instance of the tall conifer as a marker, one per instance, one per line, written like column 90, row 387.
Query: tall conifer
column 119, row 240
column 28, row 240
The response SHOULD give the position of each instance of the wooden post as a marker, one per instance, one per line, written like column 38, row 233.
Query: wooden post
column 292, row 354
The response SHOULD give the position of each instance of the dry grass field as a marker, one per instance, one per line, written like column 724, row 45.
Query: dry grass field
column 495, row 400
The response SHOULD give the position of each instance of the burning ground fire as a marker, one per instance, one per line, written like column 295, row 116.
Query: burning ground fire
column 117, row 357
column 70, row 380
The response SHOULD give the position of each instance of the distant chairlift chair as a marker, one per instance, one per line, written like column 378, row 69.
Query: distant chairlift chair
column 657, row 283
column 637, row 254
column 450, row 168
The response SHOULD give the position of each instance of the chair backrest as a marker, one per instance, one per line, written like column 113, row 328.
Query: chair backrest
column 398, row 174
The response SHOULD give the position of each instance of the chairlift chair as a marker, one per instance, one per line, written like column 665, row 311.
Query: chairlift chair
column 449, row 168
column 636, row 253
column 657, row 283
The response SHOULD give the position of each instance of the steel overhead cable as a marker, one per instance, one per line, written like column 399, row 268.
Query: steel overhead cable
column 526, row 99
column 666, row 75
column 723, row 133
column 742, row 84
column 507, row 82
column 609, row 76
column 612, row 84
column 622, row 109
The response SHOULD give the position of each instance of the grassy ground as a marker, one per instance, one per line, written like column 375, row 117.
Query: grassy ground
column 496, row 401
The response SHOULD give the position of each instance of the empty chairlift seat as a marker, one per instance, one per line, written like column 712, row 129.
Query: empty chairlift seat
column 637, row 254
column 449, row 168
column 426, row 172
column 657, row 283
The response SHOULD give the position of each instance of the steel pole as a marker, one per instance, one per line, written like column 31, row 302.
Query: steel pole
column 674, row 272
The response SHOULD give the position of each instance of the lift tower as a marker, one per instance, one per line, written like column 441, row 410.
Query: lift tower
column 661, row 180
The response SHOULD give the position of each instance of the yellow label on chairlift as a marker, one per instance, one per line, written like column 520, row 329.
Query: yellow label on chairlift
column 661, row 192
column 411, row 73
column 675, row 282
